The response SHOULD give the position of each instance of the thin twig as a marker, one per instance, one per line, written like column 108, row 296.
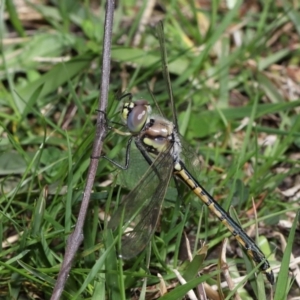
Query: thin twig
column 76, row 237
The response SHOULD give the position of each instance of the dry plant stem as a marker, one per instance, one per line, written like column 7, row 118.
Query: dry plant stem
column 144, row 20
column 76, row 237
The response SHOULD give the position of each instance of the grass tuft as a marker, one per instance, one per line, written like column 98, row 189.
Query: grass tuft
column 235, row 79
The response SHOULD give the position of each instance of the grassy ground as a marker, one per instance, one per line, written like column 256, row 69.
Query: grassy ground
column 235, row 77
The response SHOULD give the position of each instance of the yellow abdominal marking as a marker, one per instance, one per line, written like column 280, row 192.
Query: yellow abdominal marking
column 199, row 192
column 252, row 250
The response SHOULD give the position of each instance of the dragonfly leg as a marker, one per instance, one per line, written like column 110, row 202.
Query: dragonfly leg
column 113, row 122
column 126, row 95
column 127, row 157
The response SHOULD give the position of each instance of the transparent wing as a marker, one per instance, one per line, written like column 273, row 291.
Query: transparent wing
column 190, row 158
column 138, row 166
column 141, row 207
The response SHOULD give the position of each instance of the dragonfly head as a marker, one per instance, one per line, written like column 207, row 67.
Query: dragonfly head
column 135, row 115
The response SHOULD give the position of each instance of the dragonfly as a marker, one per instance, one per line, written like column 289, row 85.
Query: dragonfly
column 167, row 156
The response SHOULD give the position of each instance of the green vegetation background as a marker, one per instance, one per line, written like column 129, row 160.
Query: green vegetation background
column 235, row 77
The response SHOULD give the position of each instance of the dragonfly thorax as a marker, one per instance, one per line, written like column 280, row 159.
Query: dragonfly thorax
column 136, row 115
column 159, row 135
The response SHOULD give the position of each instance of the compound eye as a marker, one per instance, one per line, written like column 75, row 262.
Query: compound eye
column 137, row 117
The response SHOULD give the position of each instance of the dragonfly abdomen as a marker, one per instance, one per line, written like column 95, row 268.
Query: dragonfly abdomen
column 243, row 239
